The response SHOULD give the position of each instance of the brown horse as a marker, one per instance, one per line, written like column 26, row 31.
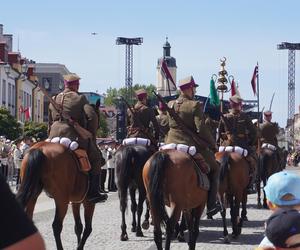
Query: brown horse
column 130, row 160
column 234, row 178
column 54, row 168
column 268, row 164
column 171, row 179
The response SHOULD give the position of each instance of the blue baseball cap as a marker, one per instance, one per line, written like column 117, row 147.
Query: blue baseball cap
column 281, row 184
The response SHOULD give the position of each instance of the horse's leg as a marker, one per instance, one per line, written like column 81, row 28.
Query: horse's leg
column 89, row 208
column 78, row 224
column 223, row 214
column 265, row 199
column 57, row 225
column 171, row 225
column 124, row 235
column 145, row 224
column 157, row 233
column 244, row 207
column 142, row 197
column 236, row 230
column 259, row 205
column 31, row 204
column 133, row 208
column 180, row 228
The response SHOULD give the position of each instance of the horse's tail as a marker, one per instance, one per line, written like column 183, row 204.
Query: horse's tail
column 224, row 166
column 31, row 182
column 124, row 173
column 156, row 176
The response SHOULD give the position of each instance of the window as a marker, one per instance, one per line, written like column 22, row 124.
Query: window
column 47, row 82
column 3, row 92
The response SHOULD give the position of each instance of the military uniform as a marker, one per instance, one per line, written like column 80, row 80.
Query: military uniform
column 77, row 107
column 238, row 130
column 143, row 114
column 190, row 111
column 163, row 122
column 212, row 126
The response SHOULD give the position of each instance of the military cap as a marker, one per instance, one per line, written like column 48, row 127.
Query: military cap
column 71, row 79
column 140, row 93
column 268, row 113
column 187, row 83
column 236, row 99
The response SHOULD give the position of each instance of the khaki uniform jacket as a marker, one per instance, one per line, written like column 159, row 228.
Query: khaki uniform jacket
column 163, row 122
column 191, row 113
column 145, row 115
column 240, row 131
column 268, row 132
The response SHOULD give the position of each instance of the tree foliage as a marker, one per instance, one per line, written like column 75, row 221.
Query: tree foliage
column 113, row 93
column 36, row 130
column 9, row 127
column 103, row 128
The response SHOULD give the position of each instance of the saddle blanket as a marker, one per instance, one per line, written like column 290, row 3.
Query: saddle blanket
column 237, row 149
column 73, row 145
column 136, row 141
column 269, row 146
column 180, row 147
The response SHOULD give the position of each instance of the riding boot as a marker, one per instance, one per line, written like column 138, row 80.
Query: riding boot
column 93, row 194
column 103, row 175
column 252, row 174
column 213, row 206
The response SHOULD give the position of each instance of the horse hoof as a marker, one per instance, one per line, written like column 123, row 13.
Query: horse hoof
column 180, row 238
column 226, row 239
column 245, row 218
column 234, row 235
column 139, row 233
column 124, row 237
column 265, row 206
column 145, row 225
column 133, row 229
column 259, row 206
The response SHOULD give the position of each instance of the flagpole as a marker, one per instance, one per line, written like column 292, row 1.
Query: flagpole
column 257, row 77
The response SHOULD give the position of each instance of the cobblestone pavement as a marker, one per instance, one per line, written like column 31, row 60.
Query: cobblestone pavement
column 106, row 229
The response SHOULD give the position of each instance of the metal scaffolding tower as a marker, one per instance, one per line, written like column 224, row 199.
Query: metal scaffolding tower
column 291, row 75
column 129, row 42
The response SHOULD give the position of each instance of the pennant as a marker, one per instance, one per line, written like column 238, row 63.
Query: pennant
column 214, row 98
column 254, row 79
column 166, row 73
column 234, row 89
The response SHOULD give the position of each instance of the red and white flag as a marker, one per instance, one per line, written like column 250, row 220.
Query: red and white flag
column 234, row 89
column 166, row 73
column 27, row 113
column 254, row 79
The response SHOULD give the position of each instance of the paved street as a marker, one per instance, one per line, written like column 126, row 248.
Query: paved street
column 106, row 229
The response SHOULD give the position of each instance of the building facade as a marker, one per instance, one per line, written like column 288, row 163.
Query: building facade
column 50, row 76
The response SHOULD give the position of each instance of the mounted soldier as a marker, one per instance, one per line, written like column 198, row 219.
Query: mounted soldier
column 163, row 121
column 77, row 107
column 140, row 118
column 237, row 129
column 268, row 133
column 190, row 111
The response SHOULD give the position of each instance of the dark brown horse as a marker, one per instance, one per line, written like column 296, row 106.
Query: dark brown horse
column 268, row 164
column 54, row 168
column 130, row 160
column 234, row 178
column 170, row 179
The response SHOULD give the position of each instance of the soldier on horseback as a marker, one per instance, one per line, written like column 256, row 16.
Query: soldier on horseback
column 237, row 129
column 163, row 121
column 138, row 123
column 78, row 108
column 268, row 132
column 191, row 113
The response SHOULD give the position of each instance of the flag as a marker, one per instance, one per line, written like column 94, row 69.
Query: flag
column 166, row 73
column 214, row 98
column 254, row 78
column 27, row 113
column 234, row 89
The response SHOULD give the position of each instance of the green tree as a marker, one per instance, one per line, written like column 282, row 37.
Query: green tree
column 36, row 130
column 9, row 127
column 103, row 128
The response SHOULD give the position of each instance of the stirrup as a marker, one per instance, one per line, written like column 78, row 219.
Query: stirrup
column 214, row 211
column 98, row 198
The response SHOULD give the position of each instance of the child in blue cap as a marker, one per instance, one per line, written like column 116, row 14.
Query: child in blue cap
column 282, row 191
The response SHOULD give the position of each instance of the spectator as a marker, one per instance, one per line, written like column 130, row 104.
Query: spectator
column 103, row 170
column 283, row 229
column 25, row 145
column 16, row 229
column 17, row 155
column 4, row 154
column 111, row 169
column 282, row 191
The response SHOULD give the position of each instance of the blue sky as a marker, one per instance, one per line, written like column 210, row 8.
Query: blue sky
column 200, row 33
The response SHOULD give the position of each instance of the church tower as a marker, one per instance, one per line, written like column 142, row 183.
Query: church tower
column 165, row 87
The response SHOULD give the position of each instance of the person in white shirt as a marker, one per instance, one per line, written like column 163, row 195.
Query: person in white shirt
column 17, row 156
column 111, row 169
